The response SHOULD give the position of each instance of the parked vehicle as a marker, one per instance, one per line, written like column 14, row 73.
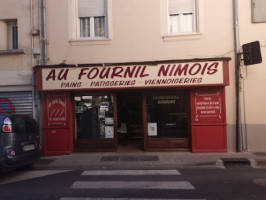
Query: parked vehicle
column 19, row 142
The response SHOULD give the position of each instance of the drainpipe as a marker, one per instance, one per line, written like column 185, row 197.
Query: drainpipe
column 43, row 34
column 31, row 60
column 239, row 136
column 43, row 60
column 34, row 91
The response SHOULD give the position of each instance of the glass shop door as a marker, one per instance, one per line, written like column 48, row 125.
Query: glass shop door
column 130, row 122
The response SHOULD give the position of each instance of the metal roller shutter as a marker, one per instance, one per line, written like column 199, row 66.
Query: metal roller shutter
column 16, row 102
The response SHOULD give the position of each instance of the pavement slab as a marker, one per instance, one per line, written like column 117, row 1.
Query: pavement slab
column 150, row 160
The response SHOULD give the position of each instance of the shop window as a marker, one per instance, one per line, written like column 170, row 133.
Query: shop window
column 258, row 11
column 168, row 116
column 94, row 117
column 182, row 16
column 92, row 19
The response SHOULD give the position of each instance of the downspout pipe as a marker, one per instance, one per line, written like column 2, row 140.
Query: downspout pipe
column 43, row 34
column 239, row 135
column 43, row 61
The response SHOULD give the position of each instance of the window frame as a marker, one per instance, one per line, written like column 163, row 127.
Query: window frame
column 92, row 27
column 9, row 36
column 254, row 15
column 182, row 93
column 87, row 101
column 194, row 22
column 12, row 42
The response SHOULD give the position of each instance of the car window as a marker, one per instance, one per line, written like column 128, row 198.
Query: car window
column 24, row 124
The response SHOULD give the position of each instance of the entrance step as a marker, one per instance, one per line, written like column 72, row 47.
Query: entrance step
column 129, row 158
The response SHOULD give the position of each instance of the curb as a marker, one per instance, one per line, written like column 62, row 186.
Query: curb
column 149, row 161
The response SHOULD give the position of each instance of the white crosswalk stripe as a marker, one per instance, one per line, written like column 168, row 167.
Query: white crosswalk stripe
column 129, row 184
column 162, row 185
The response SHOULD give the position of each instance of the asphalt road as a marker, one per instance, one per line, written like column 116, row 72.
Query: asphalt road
column 189, row 184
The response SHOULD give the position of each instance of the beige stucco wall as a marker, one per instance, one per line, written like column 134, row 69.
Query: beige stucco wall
column 138, row 32
column 253, row 82
column 16, row 68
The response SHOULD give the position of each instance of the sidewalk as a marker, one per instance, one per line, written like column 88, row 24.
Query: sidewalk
column 151, row 160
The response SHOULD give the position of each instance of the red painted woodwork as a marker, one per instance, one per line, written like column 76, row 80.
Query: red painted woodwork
column 208, row 119
column 39, row 79
column 226, row 72
column 58, row 124
column 208, row 138
column 180, row 144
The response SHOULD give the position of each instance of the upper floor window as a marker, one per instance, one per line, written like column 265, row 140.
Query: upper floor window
column 12, row 34
column 258, row 11
column 182, row 16
column 8, row 35
column 92, row 19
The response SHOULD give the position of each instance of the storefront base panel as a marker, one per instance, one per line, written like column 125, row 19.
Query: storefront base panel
column 56, row 153
column 94, row 145
column 209, row 139
column 52, row 146
column 166, row 144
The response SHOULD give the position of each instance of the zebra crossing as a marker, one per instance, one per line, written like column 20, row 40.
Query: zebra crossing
column 85, row 183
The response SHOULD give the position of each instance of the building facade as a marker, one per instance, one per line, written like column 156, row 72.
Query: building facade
column 157, row 73
column 19, row 43
column 152, row 75
column 252, row 25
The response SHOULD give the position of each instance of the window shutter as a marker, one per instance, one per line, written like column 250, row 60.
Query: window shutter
column 91, row 8
column 259, row 14
column 181, row 6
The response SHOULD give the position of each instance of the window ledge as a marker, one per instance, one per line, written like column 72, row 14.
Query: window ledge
column 179, row 37
column 85, row 42
column 11, row 52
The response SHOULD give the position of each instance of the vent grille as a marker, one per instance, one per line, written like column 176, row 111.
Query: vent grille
column 236, row 162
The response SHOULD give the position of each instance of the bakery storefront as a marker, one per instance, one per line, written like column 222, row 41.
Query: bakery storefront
column 156, row 106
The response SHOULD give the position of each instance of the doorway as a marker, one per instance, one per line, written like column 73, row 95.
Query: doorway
column 130, row 122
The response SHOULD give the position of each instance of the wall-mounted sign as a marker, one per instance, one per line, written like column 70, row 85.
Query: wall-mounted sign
column 207, row 106
column 134, row 76
column 56, row 110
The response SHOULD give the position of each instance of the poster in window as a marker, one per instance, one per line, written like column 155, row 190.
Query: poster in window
column 152, row 129
column 109, row 120
column 101, row 113
column 109, row 131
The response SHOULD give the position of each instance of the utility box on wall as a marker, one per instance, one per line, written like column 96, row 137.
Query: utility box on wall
column 252, row 53
column 208, row 121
